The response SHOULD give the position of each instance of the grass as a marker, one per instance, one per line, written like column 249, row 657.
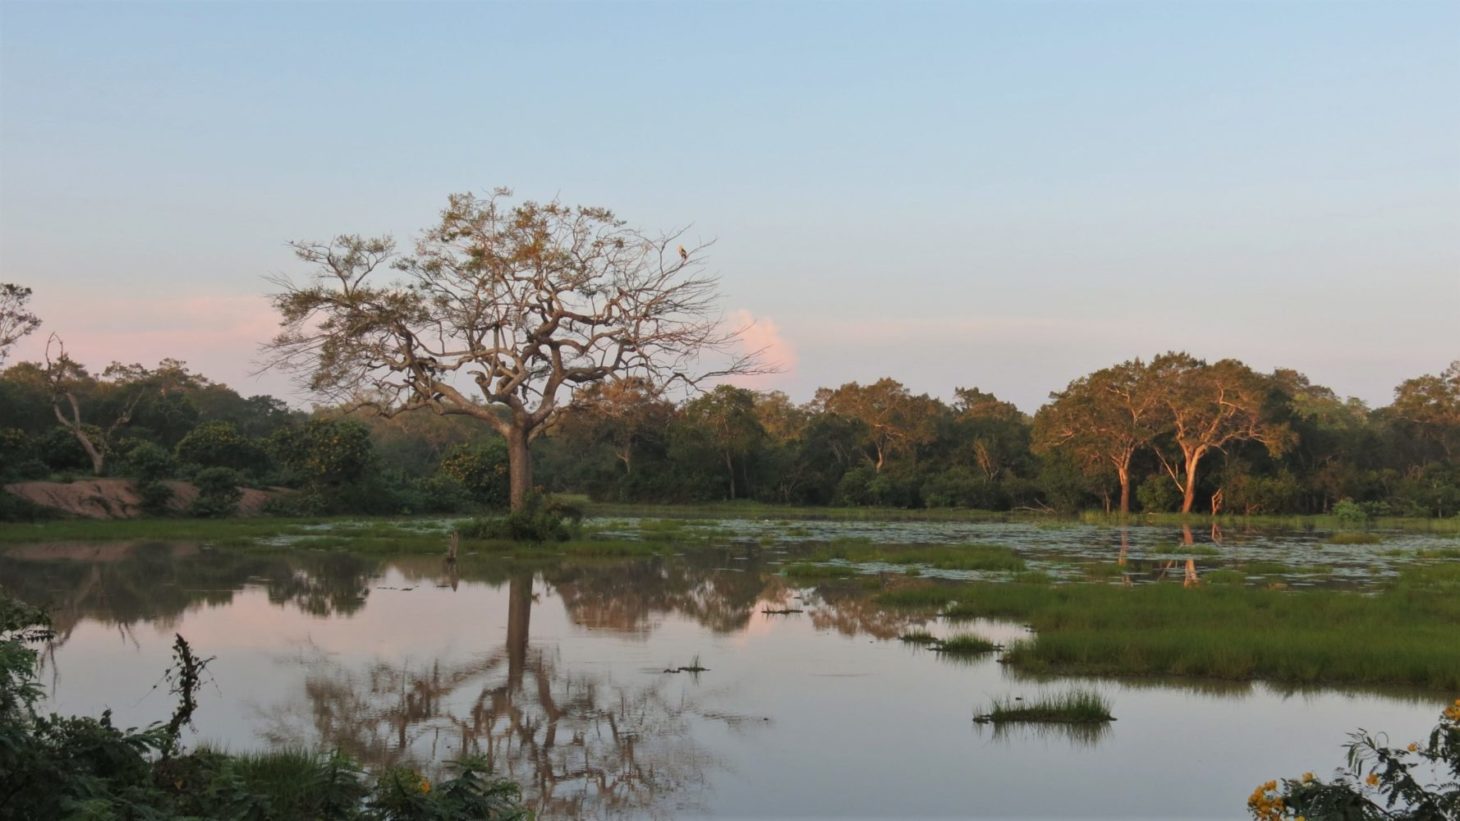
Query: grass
column 1406, row 523
column 1353, row 537
column 918, row 637
column 405, row 534
column 966, row 644
column 1187, row 550
column 804, row 570
column 1404, row 635
column 1074, row 707
column 1438, row 553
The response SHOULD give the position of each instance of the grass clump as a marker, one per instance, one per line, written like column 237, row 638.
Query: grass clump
column 966, row 644
column 1354, row 537
column 918, row 637
column 1074, row 707
column 806, row 570
column 1186, row 550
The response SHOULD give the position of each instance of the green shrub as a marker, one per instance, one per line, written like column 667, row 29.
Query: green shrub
column 218, row 492
column 1350, row 512
column 1393, row 787
column 540, row 520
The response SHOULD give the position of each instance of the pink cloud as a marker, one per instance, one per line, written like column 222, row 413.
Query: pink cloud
column 763, row 335
column 217, row 335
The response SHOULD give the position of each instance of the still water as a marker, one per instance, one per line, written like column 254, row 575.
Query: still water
column 558, row 671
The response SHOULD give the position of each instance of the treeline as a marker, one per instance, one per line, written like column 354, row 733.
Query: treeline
column 1174, row 433
column 168, row 423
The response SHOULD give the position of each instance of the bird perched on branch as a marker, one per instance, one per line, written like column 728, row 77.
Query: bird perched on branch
column 683, row 254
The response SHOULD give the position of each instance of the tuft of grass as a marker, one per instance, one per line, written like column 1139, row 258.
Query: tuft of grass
column 806, row 570
column 966, row 644
column 1438, row 553
column 918, row 637
column 1353, row 537
column 1073, row 707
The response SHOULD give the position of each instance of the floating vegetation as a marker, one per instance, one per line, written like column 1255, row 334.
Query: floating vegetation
column 1073, row 707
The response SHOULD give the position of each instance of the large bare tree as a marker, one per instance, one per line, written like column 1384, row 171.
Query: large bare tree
column 501, row 314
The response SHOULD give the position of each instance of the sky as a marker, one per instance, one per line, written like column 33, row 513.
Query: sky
column 1003, row 195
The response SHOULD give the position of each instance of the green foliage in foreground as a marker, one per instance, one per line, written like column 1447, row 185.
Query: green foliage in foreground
column 1074, row 707
column 88, row 768
column 1402, row 636
column 1380, row 782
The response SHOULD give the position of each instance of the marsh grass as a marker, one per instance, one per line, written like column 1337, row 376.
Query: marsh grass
column 1073, row 707
column 1187, row 550
column 966, row 644
column 1354, row 537
column 805, row 570
column 1404, row 635
column 918, row 637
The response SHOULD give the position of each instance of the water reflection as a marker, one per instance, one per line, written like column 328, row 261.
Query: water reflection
column 551, row 667
column 125, row 583
column 578, row 743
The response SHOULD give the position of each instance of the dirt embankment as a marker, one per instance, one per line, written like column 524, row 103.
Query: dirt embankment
column 118, row 498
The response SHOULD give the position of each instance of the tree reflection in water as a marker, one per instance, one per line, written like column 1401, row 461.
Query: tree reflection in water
column 579, row 744
column 126, row 583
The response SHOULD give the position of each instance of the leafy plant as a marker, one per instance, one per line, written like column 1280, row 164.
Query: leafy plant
column 1380, row 782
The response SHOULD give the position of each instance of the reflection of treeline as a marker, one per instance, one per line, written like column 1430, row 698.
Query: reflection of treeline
column 1171, row 433
column 156, row 582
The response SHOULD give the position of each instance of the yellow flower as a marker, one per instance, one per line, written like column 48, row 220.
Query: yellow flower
column 1372, row 780
column 1308, row 778
column 425, row 785
column 1414, row 746
column 1453, row 711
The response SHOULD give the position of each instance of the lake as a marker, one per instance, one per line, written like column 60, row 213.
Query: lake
column 558, row 668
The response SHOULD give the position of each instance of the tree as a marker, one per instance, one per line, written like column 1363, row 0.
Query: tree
column 726, row 418
column 527, row 303
column 15, row 319
column 896, row 421
column 1429, row 406
column 626, row 414
column 68, row 379
column 1102, row 420
column 1206, row 408
column 996, row 431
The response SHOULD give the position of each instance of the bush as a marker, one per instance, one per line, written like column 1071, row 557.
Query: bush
column 145, row 461
column 540, row 520
column 219, row 445
column 1350, row 512
column 1392, row 789
column 1157, row 494
column 218, row 492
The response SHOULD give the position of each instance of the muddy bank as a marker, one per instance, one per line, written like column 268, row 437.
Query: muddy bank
column 118, row 498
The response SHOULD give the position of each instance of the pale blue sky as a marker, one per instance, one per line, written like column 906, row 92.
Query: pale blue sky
column 1005, row 195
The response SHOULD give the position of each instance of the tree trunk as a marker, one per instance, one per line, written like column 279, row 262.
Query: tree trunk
column 1124, row 474
column 519, row 466
column 1189, row 495
column 519, row 615
column 730, row 467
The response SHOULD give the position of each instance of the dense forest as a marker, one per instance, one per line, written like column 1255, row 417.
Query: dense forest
column 1172, row 433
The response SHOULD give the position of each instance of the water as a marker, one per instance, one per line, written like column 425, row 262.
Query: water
column 556, row 669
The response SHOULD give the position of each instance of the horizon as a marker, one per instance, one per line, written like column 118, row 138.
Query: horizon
column 996, row 196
